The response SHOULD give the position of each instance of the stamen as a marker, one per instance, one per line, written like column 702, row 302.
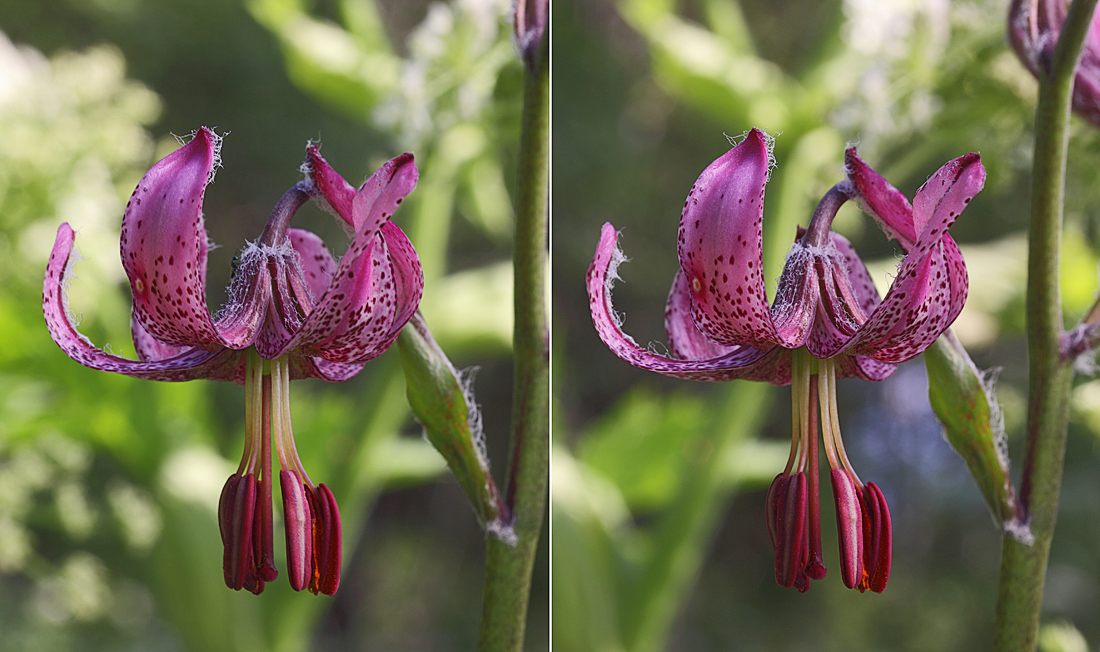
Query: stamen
column 796, row 412
column 804, row 407
column 815, row 568
column 265, row 541
column 826, row 401
column 284, row 431
column 835, row 418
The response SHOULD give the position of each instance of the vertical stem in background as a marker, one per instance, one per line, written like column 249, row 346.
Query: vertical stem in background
column 508, row 568
column 1023, row 567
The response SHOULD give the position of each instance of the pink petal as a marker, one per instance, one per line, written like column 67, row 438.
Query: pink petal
column 317, row 263
column 164, row 246
column 334, row 372
column 337, row 192
column 685, row 340
column 942, row 198
column 720, row 246
column 147, row 347
column 795, row 307
column 881, row 200
column 407, row 273
column 865, row 291
column 356, row 321
column 923, row 301
column 770, row 365
column 864, row 368
column 190, row 363
column 378, row 283
column 246, row 310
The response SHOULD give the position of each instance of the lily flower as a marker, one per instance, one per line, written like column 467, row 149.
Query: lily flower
column 827, row 322
column 1033, row 29
column 293, row 312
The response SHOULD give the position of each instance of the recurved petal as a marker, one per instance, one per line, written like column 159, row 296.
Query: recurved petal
column 685, row 341
column 164, row 245
column 356, row 313
column 376, row 201
column 795, row 307
column 770, row 365
column 864, row 368
column 408, row 276
column 925, row 298
column 190, row 363
column 866, row 293
column 317, row 263
column 334, row 372
column 881, row 200
column 720, row 246
column 337, row 192
column 942, row 198
column 147, row 346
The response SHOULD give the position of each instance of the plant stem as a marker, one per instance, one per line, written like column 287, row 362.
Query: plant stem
column 507, row 567
column 1023, row 566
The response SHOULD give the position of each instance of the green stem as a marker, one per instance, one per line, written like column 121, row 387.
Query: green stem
column 508, row 567
column 1023, row 566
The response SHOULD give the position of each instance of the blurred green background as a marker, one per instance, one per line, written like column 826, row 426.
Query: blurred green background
column 659, row 541
column 108, row 485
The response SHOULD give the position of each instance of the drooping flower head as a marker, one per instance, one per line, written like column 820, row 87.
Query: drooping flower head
column 293, row 312
column 1033, row 29
column 827, row 322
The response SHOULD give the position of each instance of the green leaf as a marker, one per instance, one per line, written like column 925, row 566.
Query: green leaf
column 963, row 400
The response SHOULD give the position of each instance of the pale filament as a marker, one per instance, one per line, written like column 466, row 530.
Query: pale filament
column 284, row 433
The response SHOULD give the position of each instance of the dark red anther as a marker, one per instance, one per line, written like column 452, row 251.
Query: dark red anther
column 235, row 514
column 298, row 518
column 849, row 526
column 877, row 539
column 264, row 537
column 786, row 516
column 326, row 541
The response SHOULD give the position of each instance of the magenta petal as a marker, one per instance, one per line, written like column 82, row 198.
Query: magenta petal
column 770, row 365
column 334, row 372
column 924, row 300
column 191, row 363
column 355, row 314
column 720, row 245
column 864, row 368
column 375, row 202
column 317, row 263
column 164, row 245
column 335, row 190
column 797, row 296
column 942, row 198
column 147, row 346
column 864, row 288
column 685, row 340
column 407, row 274
column 881, row 200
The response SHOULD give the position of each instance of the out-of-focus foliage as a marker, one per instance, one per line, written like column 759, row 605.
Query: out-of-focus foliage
column 645, row 90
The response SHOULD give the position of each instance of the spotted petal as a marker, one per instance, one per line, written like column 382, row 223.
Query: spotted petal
column 335, row 190
column 881, row 200
column 720, row 246
column 771, row 364
column 163, row 250
column 685, row 340
column 187, row 364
